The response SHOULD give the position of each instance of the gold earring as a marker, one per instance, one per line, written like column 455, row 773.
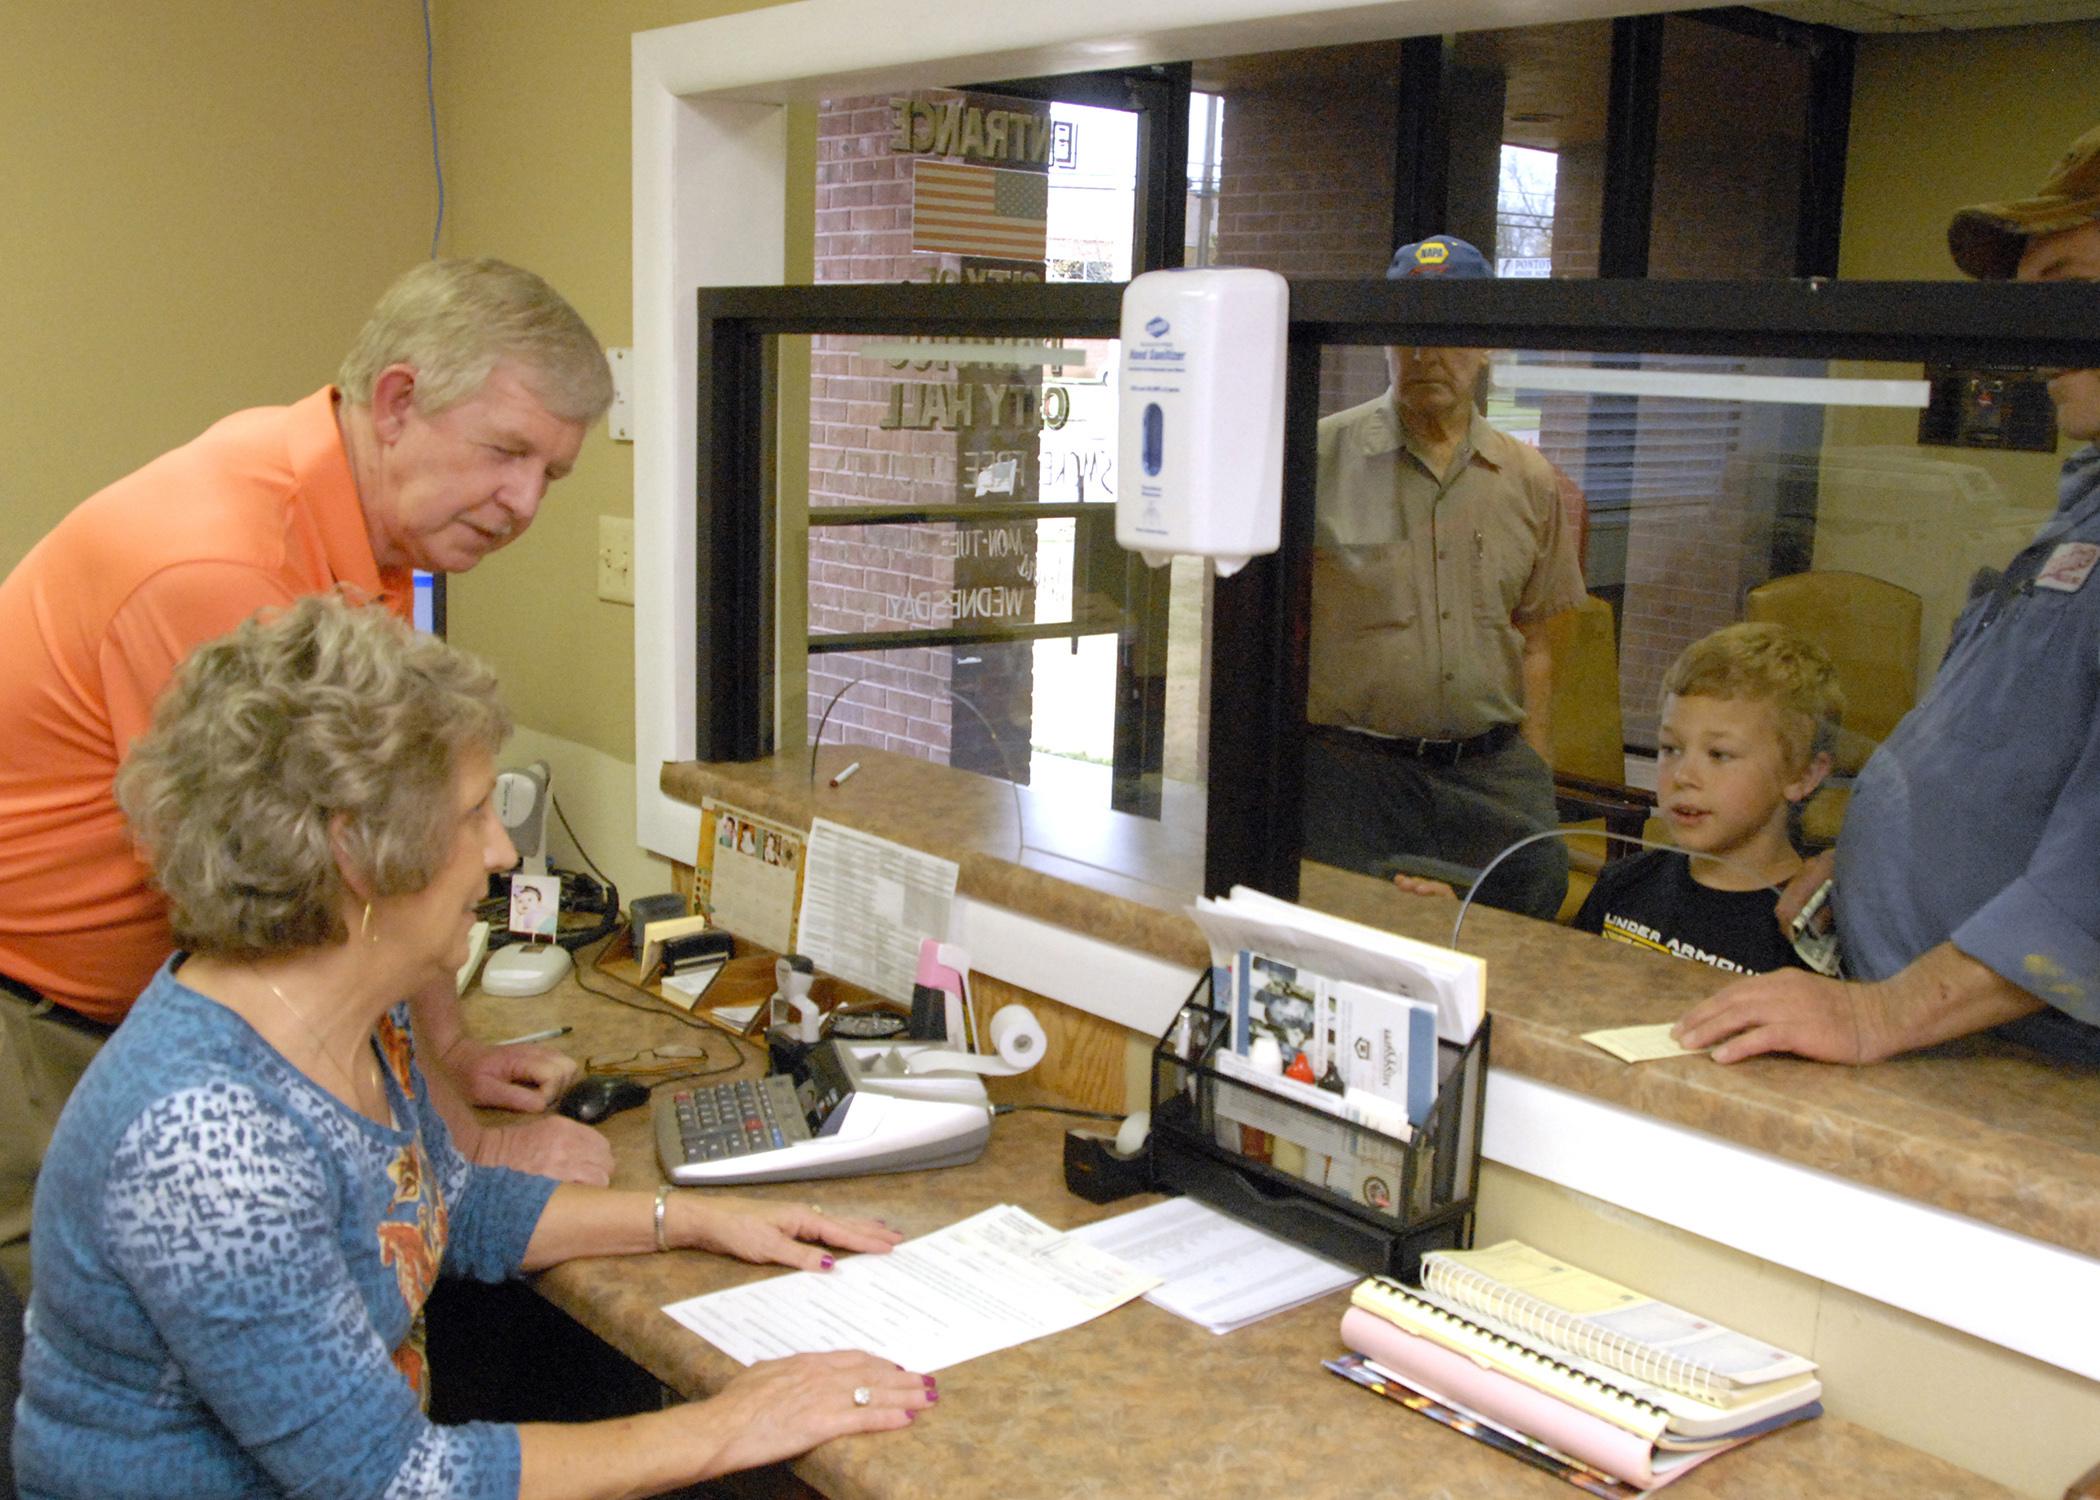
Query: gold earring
column 364, row 927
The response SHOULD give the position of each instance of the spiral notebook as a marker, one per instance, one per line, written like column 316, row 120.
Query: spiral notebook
column 1537, row 1368
column 1515, row 1400
column 1581, row 1313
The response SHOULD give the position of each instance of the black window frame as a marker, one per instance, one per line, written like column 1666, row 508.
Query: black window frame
column 1260, row 614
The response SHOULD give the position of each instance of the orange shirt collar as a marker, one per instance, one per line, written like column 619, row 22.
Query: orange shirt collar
column 322, row 466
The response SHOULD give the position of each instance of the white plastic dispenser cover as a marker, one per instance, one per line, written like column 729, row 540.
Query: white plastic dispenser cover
column 1200, row 420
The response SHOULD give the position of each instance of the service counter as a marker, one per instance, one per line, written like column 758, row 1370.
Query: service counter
column 1135, row 1403
column 1959, row 1187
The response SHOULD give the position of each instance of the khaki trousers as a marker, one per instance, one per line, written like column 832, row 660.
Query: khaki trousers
column 43, row 1052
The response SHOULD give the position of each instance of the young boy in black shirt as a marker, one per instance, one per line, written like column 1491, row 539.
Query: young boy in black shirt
column 1749, row 717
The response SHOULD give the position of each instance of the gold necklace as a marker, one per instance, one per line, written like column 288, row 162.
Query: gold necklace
column 353, row 1077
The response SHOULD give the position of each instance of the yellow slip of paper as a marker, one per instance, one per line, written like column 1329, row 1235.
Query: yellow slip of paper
column 1640, row 1043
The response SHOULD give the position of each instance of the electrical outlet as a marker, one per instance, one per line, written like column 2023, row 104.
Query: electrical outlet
column 616, row 559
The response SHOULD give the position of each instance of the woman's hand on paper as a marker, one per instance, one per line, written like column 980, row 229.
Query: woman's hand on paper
column 783, row 1234
column 779, row 1408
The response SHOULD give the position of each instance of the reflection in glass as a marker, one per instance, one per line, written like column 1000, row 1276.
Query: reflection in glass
column 1699, row 511
column 1441, row 549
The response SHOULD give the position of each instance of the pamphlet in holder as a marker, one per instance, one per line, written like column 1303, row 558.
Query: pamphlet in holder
column 1369, row 1197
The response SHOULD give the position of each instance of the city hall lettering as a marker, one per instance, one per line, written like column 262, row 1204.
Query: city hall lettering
column 972, row 404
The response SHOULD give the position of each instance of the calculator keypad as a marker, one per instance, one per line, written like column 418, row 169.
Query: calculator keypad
column 738, row 1119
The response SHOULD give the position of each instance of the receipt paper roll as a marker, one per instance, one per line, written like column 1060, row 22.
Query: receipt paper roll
column 1017, row 1045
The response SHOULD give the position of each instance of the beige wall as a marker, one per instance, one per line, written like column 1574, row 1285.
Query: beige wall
column 1939, row 121
column 200, row 204
column 534, row 100
column 203, row 202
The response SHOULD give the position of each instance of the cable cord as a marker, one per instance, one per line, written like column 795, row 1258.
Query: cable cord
column 654, row 1005
column 437, row 164
column 1013, row 784
column 1591, row 833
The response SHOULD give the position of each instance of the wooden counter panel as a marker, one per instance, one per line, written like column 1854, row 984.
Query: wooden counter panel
column 1978, row 1127
column 1135, row 1403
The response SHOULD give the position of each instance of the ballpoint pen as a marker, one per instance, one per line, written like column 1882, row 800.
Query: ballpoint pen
column 547, row 1035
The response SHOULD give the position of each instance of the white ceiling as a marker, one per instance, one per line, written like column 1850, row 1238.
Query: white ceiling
column 1933, row 15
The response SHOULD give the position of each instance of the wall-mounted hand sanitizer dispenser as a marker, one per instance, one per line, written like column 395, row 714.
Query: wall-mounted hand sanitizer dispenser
column 1200, row 451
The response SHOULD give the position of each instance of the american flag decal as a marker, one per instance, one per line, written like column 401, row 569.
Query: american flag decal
column 988, row 211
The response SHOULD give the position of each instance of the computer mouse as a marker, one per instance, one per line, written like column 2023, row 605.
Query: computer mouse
column 593, row 1098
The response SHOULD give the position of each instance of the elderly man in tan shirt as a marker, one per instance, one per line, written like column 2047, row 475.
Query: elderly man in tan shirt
column 1441, row 552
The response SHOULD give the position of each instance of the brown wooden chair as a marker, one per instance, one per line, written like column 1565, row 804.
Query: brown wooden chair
column 2086, row 1486
column 1870, row 628
column 1589, row 744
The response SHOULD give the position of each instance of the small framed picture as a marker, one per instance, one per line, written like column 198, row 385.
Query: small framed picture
column 535, row 905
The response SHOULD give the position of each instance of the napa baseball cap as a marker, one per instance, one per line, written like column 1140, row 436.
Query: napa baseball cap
column 1987, row 239
column 1439, row 255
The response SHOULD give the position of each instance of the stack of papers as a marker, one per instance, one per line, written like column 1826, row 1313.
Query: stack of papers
column 992, row 1281
column 1214, row 1269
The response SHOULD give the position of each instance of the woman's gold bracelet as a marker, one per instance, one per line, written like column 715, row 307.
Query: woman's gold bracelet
column 663, row 1200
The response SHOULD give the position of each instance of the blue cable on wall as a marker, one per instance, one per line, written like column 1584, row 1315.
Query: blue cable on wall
column 437, row 164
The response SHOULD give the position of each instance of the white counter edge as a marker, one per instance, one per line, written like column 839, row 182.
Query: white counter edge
column 2005, row 1288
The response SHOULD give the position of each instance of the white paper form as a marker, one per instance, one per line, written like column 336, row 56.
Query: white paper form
column 867, row 904
column 1216, row 1270
column 994, row 1280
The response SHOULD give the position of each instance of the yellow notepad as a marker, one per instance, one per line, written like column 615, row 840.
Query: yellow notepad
column 1567, row 1308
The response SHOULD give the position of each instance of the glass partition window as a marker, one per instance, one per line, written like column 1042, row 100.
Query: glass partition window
column 1694, row 492
column 966, row 601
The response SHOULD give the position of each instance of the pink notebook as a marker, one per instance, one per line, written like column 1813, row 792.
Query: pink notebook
column 1455, row 1379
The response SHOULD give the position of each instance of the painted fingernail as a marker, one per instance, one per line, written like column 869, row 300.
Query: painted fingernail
column 911, row 1416
column 932, row 1395
column 929, row 1382
column 826, row 1263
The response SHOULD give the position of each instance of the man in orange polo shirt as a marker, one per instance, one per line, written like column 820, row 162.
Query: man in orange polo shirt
column 466, row 394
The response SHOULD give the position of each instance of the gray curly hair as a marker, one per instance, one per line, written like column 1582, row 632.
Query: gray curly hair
column 266, row 735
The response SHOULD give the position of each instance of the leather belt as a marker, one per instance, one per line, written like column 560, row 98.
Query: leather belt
column 42, row 1007
column 1436, row 752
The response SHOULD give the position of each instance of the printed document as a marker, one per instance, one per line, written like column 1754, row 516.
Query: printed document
column 996, row 1279
column 867, row 904
column 1218, row 1271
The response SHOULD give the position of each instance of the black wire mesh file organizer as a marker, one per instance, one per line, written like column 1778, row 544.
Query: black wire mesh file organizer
column 1402, row 1198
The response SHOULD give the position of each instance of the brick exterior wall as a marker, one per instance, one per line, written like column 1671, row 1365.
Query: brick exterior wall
column 1306, row 189
column 902, row 700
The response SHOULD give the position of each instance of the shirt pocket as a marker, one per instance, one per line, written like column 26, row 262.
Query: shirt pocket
column 1363, row 590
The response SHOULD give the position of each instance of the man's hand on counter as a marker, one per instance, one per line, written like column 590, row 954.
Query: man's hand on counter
column 550, row 1146
column 1788, row 1010
column 524, row 1076
column 1943, row 994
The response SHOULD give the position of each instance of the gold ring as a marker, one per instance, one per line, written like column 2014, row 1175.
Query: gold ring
column 862, row 1395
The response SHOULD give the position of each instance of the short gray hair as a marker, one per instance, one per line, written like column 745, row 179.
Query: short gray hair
column 266, row 735
column 453, row 321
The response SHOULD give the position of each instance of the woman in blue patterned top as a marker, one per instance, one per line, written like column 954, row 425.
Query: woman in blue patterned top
column 248, row 1199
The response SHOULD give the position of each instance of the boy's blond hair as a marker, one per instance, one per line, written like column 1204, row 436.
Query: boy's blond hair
column 1768, row 664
